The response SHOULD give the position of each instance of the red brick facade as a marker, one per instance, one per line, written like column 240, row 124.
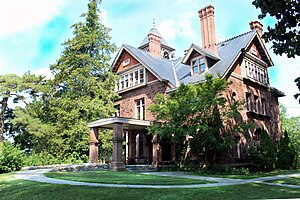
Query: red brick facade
column 148, row 92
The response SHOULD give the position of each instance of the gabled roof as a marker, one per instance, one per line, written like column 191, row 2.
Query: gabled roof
column 154, row 31
column 228, row 52
column 201, row 51
column 160, row 67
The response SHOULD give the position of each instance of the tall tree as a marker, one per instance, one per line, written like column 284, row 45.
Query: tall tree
column 16, row 88
column 292, row 126
column 199, row 112
column 82, row 90
column 285, row 35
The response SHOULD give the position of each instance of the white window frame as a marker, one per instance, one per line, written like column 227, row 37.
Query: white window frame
column 140, row 109
column 197, row 59
column 130, row 78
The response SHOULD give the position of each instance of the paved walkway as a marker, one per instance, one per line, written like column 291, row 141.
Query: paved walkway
column 38, row 175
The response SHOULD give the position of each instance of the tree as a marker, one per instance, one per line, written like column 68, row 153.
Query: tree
column 285, row 35
column 286, row 154
column 82, row 91
column 17, row 87
column 292, row 126
column 199, row 112
column 263, row 155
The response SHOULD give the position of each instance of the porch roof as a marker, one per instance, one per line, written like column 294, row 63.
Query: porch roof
column 128, row 123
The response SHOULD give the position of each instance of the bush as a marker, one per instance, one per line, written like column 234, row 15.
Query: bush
column 40, row 159
column 286, row 154
column 44, row 158
column 11, row 158
column 263, row 156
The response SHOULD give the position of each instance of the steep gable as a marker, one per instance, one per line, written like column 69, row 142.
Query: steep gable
column 126, row 61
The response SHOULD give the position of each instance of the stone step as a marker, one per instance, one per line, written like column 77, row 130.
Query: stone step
column 140, row 168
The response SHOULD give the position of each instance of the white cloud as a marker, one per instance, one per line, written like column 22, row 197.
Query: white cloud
column 18, row 15
column 180, row 27
column 44, row 72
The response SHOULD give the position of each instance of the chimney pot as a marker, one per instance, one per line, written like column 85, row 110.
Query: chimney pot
column 256, row 25
column 206, row 15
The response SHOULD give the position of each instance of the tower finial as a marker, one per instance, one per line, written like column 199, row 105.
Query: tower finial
column 153, row 22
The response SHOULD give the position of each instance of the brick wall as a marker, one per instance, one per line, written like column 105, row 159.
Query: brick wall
column 148, row 92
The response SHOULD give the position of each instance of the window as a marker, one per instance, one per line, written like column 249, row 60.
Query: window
column 256, row 137
column 256, row 104
column 122, row 83
column 263, row 106
column 117, row 113
column 233, row 96
column 248, row 101
column 202, row 65
column 136, row 77
column 126, row 81
column 195, row 66
column 141, row 75
column 198, row 65
column 131, row 79
column 140, row 109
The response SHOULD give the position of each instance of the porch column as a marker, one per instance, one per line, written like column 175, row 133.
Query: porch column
column 93, row 152
column 117, row 161
column 131, row 147
column 156, row 148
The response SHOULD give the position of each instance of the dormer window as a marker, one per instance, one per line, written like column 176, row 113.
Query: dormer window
column 198, row 65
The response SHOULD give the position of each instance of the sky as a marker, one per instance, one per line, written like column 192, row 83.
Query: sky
column 32, row 31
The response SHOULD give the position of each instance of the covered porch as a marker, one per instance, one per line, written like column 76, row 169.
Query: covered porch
column 131, row 143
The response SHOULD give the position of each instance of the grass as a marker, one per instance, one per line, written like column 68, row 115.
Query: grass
column 251, row 175
column 14, row 189
column 289, row 181
column 106, row 176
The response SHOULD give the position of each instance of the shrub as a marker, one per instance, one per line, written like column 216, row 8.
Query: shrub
column 11, row 158
column 40, row 159
column 286, row 154
column 263, row 156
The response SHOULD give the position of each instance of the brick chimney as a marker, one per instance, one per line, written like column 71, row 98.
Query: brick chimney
column 154, row 43
column 256, row 25
column 208, row 28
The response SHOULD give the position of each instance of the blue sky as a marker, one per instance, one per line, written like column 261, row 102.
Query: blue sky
column 32, row 31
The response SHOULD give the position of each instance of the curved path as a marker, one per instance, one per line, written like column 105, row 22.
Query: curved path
column 38, row 175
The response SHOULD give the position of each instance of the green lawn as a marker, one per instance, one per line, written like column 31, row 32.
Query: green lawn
column 290, row 181
column 252, row 175
column 106, row 176
column 11, row 188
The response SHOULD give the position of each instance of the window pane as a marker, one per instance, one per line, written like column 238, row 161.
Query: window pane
column 141, row 75
column 195, row 66
column 126, row 81
column 136, row 77
column 131, row 79
column 248, row 100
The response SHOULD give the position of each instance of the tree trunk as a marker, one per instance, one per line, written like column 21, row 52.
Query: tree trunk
column 2, row 117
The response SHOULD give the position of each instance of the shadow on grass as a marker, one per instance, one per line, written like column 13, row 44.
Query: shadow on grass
column 11, row 188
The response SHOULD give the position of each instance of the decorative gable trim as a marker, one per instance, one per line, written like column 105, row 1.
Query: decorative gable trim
column 243, row 51
column 119, row 56
column 265, row 54
column 201, row 51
